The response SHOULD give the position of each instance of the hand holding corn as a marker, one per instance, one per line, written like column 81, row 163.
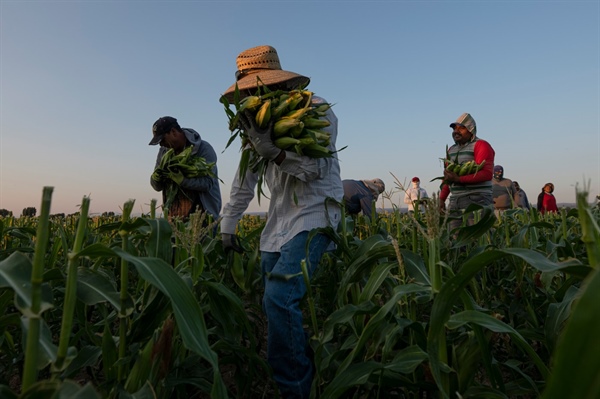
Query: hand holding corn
column 293, row 121
column 297, row 122
column 260, row 137
column 174, row 168
column 454, row 170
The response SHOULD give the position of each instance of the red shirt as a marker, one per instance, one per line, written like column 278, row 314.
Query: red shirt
column 549, row 203
column 481, row 151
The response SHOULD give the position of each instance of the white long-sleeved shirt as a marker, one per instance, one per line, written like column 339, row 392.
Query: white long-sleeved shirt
column 311, row 180
column 413, row 194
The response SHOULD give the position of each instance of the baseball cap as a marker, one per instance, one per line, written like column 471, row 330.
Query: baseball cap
column 161, row 127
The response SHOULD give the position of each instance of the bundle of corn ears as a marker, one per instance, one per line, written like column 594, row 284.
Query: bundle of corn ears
column 173, row 168
column 297, row 125
column 461, row 169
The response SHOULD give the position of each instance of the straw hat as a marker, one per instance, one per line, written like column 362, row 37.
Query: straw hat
column 262, row 63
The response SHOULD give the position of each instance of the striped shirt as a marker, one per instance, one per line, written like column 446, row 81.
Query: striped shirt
column 481, row 182
column 310, row 180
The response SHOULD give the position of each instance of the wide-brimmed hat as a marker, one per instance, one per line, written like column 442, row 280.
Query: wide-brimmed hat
column 260, row 65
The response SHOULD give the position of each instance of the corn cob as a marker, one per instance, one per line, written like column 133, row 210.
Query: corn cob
column 464, row 169
column 296, row 125
column 173, row 168
column 250, row 103
column 263, row 116
column 285, row 142
column 283, row 125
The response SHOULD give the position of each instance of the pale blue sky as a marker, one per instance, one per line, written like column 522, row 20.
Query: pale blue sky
column 81, row 83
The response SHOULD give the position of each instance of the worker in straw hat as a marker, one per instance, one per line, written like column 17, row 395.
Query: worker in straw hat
column 415, row 196
column 300, row 186
column 359, row 195
column 472, row 188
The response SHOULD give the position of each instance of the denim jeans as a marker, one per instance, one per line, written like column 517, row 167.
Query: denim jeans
column 287, row 346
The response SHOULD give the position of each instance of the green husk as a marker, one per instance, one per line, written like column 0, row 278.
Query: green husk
column 289, row 108
column 173, row 168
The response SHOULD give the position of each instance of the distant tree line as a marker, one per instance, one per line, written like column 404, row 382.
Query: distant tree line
column 5, row 213
column 29, row 211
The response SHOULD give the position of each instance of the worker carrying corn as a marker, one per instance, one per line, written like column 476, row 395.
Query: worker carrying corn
column 305, row 193
column 415, row 196
column 359, row 195
column 469, row 188
column 185, row 171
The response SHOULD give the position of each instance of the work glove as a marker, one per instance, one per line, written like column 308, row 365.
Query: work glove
column 159, row 175
column 231, row 242
column 260, row 138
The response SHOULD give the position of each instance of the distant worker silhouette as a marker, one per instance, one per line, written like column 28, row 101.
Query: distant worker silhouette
column 360, row 194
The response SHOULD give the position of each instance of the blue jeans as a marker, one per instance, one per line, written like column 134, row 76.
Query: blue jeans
column 287, row 346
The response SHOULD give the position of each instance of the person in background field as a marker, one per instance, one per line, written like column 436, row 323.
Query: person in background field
column 546, row 201
column 360, row 194
column 195, row 193
column 473, row 188
column 503, row 190
column 521, row 200
column 415, row 196
column 283, row 241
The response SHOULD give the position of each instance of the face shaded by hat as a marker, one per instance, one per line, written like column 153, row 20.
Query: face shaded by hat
column 161, row 127
column 467, row 121
column 260, row 65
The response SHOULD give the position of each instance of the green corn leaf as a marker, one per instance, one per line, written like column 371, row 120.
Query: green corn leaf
column 15, row 273
column 576, row 372
column 188, row 314
column 498, row 326
column 452, row 289
column 377, row 319
column 94, row 287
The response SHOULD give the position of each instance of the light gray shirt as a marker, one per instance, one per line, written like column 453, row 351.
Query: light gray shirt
column 311, row 180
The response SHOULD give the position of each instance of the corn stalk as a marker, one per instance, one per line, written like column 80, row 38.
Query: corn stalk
column 33, row 333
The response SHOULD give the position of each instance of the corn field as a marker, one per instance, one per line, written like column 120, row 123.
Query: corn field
column 138, row 307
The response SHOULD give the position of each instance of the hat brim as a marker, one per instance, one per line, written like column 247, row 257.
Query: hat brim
column 267, row 77
column 155, row 140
